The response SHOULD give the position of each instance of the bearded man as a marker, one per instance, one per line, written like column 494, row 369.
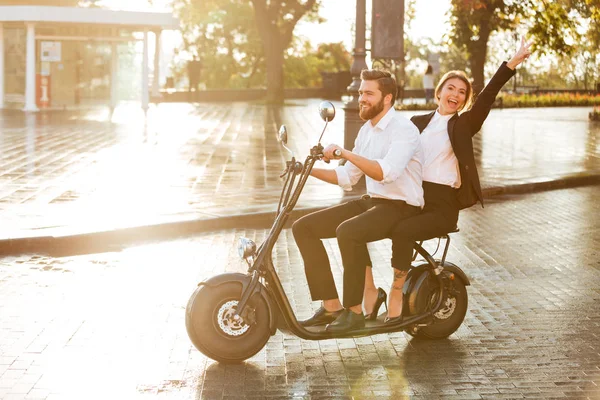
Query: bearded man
column 388, row 152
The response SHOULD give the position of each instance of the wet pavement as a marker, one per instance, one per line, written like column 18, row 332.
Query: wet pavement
column 112, row 326
column 86, row 171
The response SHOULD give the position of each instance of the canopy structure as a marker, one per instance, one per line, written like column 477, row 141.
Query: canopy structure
column 47, row 25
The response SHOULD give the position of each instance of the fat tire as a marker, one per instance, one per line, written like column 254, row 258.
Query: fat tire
column 441, row 329
column 202, row 325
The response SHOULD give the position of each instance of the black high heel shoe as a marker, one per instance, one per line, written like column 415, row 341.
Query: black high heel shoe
column 381, row 299
column 393, row 320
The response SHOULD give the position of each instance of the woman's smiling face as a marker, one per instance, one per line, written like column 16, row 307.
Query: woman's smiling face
column 453, row 96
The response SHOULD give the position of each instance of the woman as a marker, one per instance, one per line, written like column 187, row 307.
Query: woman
column 428, row 85
column 450, row 180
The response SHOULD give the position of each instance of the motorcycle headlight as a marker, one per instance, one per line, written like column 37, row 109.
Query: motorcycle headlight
column 246, row 248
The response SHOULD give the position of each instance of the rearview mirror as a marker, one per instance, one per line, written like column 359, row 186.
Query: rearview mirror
column 326, row 111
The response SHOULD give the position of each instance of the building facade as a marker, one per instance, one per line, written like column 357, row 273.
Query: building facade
column 69, row 56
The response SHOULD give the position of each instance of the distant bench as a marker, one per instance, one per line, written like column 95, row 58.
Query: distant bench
column 525, row 89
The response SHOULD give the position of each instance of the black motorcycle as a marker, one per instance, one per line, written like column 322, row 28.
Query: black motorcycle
column 231, row 316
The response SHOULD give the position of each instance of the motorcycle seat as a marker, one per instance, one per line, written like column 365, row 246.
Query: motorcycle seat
column 454, row 230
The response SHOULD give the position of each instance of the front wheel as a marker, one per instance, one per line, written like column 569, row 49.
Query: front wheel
column 451, row 314
column 212, row 328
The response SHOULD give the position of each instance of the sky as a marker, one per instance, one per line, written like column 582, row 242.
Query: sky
column 341, row 14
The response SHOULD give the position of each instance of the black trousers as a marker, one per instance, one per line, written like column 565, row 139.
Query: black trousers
column 439, row 217
column 354, row 224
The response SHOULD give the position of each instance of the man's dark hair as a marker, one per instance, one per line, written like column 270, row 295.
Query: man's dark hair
column 385, row 81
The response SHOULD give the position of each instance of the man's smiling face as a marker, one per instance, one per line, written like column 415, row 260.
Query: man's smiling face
column 370, row 101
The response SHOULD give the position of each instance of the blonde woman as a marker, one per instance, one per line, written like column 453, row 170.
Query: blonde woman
column 450, row 179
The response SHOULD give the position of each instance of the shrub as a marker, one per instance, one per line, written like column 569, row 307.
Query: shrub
column 595, row 114
column 506, row 100
column 549, row 100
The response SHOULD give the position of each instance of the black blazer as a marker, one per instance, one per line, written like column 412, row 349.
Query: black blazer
column 461, row 129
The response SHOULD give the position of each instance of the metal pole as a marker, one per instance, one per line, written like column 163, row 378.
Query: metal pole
column 145, row 88
column 30, row 70
column 1, row 66
column 516, row 36
column 114, row 71
column 156, row 73
column 352, row 121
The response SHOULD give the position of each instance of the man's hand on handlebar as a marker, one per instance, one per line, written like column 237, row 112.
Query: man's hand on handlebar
column 332, row 152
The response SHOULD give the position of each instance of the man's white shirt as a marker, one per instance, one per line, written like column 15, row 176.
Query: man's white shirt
column 395, row 144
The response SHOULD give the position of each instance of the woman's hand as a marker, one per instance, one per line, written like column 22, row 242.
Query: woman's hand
column 522, row 54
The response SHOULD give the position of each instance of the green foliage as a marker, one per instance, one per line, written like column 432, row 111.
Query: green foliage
column 303, row 69
column 224, row 36
column 549, row 100
column 506, row 100
column 472, row 19
column 563, row 28
column 454, row 58
column 333, row 57
column 554, row 27
column 569, row 31
column 275, row 21
column 593, row 34
column 416, row 107
column 595, row 114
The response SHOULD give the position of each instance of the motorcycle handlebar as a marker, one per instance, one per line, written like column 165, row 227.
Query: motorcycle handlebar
column 337, row 153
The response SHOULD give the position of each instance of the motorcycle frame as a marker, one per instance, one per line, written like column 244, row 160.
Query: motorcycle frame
column 263, row 267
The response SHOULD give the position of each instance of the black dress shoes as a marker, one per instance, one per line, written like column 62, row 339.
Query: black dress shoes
column 346, row 322
column 322, row 317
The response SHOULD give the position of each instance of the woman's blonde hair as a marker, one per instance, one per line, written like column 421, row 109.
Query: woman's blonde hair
column 463, row 77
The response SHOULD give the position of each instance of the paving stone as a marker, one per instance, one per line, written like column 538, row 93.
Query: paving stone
column 531, row 330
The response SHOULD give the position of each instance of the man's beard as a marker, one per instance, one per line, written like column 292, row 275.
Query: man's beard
column 372, row 112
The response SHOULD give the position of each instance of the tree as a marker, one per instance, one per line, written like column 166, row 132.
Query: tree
column 560, row 26
column 570, row 30
column 304, row 66
column 555, row 26
column 473, row 21
column 223, row 35
column 243, row 42
column 276, row 20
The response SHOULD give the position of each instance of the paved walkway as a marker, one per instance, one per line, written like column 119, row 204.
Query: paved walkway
column 111, row 325
column 75, row 172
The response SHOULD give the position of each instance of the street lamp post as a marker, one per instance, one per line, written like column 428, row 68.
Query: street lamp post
column 352, row 121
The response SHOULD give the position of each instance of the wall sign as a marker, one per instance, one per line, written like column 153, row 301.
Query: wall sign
column 51, row 51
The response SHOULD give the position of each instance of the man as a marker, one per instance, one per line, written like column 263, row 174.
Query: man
column 194, row 66
column 388, row 151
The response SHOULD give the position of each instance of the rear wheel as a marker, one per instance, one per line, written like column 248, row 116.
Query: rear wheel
column 213, row 329
column 451, row 314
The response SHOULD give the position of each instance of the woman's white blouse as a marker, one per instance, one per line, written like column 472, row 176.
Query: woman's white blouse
column 441, row 165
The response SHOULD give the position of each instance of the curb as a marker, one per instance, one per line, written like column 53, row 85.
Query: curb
column 115, row 240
